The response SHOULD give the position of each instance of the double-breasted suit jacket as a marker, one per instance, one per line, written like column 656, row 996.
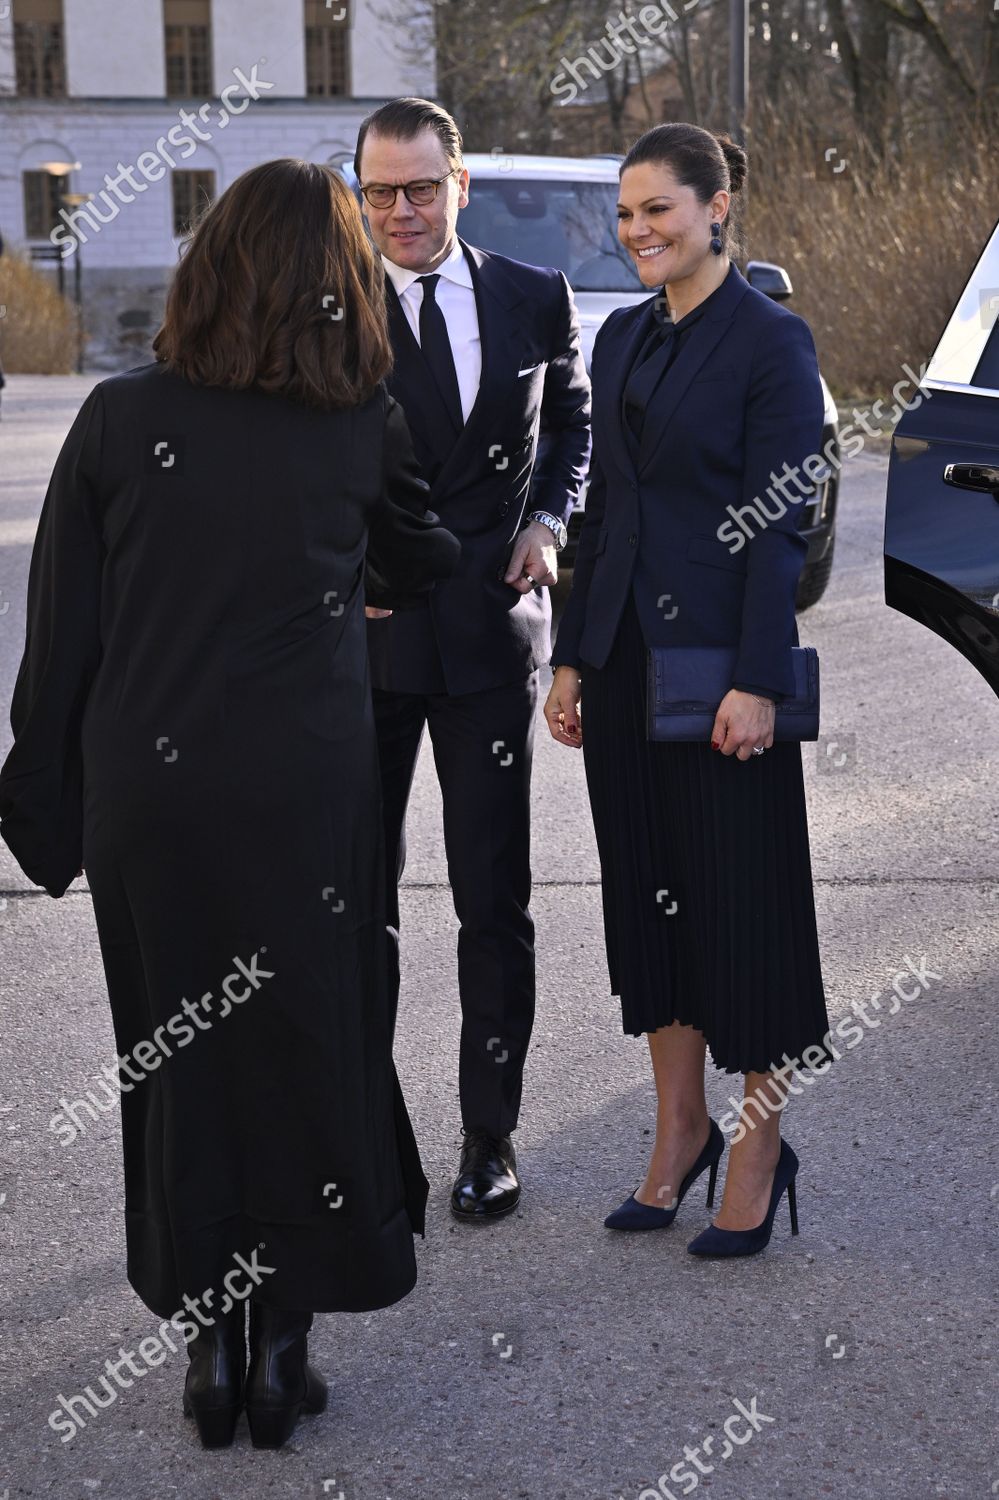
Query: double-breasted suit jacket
column 524, row 447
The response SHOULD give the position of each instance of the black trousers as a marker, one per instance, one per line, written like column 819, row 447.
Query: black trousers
column 483, row 744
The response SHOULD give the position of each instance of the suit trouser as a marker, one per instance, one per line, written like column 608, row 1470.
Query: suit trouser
column 483, row 744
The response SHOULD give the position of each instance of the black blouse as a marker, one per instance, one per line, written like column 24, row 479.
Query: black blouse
column 655, row 358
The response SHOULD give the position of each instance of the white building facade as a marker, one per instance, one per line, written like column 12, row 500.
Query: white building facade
column 119, row 117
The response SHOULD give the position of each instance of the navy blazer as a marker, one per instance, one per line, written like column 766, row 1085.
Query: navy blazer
column 742, row 400
column 533, row 385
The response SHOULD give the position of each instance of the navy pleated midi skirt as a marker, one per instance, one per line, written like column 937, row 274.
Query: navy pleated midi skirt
column 708, row 906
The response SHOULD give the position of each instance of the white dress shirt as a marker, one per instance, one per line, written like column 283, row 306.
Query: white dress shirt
column 456, row 300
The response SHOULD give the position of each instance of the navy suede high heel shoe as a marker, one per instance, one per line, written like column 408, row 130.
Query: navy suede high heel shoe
column 724, row 1242
column 635, row 1215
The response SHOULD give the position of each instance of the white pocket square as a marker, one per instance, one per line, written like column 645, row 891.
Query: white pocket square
column 530, row 369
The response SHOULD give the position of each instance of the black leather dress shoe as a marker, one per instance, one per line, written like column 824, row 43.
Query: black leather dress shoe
column 487, row 1185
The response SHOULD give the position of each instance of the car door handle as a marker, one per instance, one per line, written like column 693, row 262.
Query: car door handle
column 973, row 477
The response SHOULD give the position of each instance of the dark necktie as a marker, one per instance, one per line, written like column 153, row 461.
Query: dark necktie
column 436, row 347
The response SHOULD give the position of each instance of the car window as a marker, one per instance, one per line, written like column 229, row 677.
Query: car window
column 569, row 225
column 967, row 354
column 987, row 370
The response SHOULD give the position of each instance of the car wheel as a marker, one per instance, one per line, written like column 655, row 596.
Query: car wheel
column 814, row 578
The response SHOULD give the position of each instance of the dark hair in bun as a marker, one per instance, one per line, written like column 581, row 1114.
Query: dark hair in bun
column 738, row 162
column 700, row 160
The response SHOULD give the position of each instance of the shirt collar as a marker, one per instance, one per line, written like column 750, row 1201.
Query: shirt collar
column 455, row 269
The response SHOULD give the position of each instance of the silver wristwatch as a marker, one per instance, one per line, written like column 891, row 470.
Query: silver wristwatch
column 554, row 525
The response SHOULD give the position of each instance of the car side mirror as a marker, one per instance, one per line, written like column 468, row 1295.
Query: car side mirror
column 772, row 280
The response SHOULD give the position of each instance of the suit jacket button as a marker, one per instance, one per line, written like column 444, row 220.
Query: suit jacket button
column 503, row 507
column 632, row 540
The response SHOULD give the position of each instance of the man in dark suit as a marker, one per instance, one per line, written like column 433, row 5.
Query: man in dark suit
column 487, row 360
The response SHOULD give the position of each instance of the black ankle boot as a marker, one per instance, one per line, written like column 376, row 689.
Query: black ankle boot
column 213, row 1390
column 281, row 1383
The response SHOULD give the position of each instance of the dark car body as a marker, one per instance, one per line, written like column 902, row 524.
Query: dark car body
column 941, row 544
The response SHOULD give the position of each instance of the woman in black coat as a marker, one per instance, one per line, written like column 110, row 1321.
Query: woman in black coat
column 193, row 726
column 705, row 397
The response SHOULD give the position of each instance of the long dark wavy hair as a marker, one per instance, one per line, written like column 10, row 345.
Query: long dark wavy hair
column 278, row 289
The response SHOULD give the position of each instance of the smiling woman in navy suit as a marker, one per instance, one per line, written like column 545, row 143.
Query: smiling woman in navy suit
column 701, row 396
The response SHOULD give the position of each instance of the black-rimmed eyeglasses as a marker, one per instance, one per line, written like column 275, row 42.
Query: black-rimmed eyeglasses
column 421, row 193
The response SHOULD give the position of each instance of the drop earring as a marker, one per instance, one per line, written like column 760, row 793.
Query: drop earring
column 716, row 243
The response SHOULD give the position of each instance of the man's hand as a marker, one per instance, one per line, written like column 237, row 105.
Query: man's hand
column 743, row 721
column 534, row 552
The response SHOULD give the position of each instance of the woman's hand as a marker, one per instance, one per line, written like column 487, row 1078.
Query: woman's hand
column 372, row 613
column 562, row 708
column 743, row 721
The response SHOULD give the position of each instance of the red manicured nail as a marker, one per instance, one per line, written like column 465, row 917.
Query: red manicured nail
column 715, row 746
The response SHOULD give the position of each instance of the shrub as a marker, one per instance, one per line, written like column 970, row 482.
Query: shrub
column 38, row 327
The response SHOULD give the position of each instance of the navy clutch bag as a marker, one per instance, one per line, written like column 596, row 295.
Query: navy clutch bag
column 687, row 683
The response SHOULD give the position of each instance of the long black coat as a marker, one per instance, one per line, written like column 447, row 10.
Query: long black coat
column 193, row 724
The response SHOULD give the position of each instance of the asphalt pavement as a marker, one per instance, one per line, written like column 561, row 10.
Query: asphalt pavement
column 546, row 1357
